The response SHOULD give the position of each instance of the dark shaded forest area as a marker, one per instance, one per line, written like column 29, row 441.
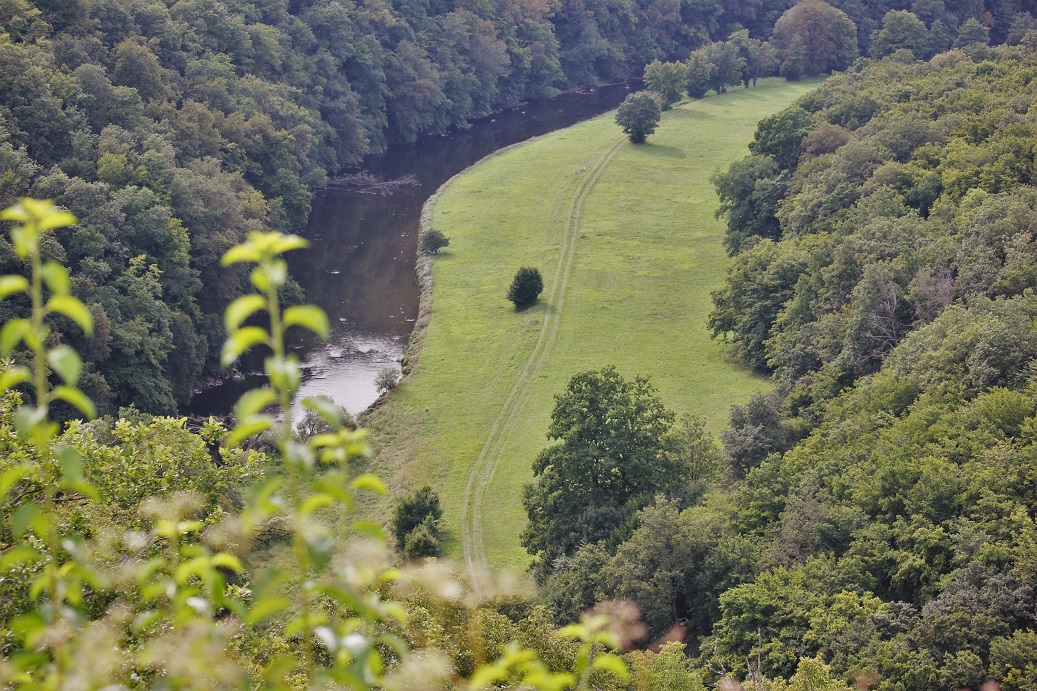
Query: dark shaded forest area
column 877, row 509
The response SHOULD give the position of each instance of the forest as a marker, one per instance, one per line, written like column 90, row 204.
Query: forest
column 868, row 523
column 171, row 129
column 874, row 511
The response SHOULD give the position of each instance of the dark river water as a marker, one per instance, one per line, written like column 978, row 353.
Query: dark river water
column 360, row 265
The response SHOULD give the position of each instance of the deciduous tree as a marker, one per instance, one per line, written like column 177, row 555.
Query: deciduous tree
column 900, row 29
column 829, row 36
column 638, row 116
column 525, row 287
column 615, row 450
column 666, row 79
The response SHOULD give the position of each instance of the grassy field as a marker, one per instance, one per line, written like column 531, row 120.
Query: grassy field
column 627, row 242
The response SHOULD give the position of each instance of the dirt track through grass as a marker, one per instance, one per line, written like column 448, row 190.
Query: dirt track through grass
column 481, row 475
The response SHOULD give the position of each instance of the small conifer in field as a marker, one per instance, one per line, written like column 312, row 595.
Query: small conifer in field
column 526, row 287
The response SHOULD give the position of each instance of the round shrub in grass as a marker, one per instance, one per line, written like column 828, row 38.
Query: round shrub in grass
column 526, row 287
column 416, row 524
column 388, row 379
column 432, row 241
column 424, row 541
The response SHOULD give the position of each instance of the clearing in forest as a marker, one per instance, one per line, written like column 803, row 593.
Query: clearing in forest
column 629, row 248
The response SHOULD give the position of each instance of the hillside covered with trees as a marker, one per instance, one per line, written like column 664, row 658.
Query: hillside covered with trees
column 876, row 510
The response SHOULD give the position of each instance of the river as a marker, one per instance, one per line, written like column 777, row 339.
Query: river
column 360, row 265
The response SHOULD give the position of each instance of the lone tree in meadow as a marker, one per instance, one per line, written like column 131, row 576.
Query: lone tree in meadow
column 416, row 524
column 638, row 116
column 526, row 287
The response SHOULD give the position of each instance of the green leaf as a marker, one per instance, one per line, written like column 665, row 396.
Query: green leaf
column 248, row 428
column 326, row 409
column 25, row 240
column 74, row 309
column 399, row 645
column 240, row 342
column 11, row 477
column 28, row 417
column 71, row 463
column 16, row 213
column 252, row 402
column 266, row 607
column 370, row 529
column 227, row 561
column 76, row 398
column 240, row 253
column 298, row 455
column 66, row 363
column 12, row 285
column 342, row 595
column 13, row 333
column 320, row 546
column 277, row 272
column 612, row 663
column 335, row 490
column 56, row 218
column 487, row 675
column 16, row 556
column 300, row 624
column 29, row 627
column 263, row 496
column 315, row 503
column 72, row 473
column 309, row 317
column 13, row 376
column 287, row 243
column 27, row 516
column 284, row 373
column 370, row 482
column 259, row 279
column 241, row 309
column 56, row 278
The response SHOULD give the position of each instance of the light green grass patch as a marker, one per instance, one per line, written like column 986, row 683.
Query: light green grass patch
column 648, row 253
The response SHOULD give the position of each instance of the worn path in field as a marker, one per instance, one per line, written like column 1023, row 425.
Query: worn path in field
column 481, row 475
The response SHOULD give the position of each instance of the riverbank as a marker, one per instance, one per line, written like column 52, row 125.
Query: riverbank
column 629, row 248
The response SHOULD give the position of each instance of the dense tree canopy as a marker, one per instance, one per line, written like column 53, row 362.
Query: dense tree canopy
column 901, row 30
column 888, row 284
column 615, row 450
column 638, row 116
column 890, row 217
column 829, row 36
column 874, row 510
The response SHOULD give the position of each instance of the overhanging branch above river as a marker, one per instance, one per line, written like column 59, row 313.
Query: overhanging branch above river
column 365, row 183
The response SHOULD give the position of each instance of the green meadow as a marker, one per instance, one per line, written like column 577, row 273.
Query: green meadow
column 627, row 242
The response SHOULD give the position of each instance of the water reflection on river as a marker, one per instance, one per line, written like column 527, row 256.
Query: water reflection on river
column 360, row 266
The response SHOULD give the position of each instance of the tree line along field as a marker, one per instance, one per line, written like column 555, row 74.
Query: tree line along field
column 646, row 251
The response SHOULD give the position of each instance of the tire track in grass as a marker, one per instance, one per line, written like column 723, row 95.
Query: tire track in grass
column 481, row 474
